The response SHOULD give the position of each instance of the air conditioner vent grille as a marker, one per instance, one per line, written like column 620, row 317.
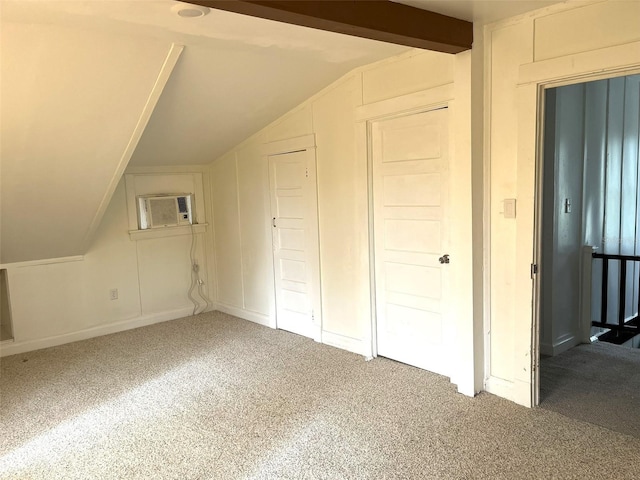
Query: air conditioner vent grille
column 164, row 210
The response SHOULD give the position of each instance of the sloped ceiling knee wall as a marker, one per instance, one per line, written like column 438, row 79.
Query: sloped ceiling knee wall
column 74, row 102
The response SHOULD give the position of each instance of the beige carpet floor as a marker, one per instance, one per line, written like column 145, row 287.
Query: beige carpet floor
column 214, row 397
column 597, row 383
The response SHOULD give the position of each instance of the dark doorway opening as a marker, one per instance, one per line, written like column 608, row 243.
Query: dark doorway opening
column 590, row 262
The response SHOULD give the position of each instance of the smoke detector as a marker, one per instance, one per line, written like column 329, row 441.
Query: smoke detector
column 186, row 10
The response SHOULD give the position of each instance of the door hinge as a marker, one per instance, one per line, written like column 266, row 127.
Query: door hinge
column 306, row 172
column 534, row 269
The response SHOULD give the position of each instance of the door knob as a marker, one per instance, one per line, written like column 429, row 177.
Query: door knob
column 444, row 258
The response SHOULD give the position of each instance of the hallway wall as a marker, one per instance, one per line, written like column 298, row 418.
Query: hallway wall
column 562, row 218
column 591, row 160
column 612, row 183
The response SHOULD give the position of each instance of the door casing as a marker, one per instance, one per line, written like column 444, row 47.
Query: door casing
column 425, row 101
column 424, row 360
column 304, row 143
column 533, row 81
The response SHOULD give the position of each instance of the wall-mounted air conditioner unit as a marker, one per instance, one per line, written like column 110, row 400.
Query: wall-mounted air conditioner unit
column 165, row 210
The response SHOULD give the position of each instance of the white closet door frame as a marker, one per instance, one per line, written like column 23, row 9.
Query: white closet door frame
column 291, row 145
column 533, row 79
column 424, row 347
column 420, row 102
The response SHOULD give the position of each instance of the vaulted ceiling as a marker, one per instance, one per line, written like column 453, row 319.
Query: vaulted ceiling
column 237, row 73
column 79, row 76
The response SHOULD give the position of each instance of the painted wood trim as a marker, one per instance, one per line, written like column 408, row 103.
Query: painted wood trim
column 163, row 77
column 244, row 314
column 595, row 64
column 486, row 202
column 517, row 392
column 363, row 147
column 15, row 347
column 423, row 100
column 289, row 145
column 209, row 238
column 565, row 343
column 586, row 280
column 378, row 20
column 132, row 207
column 238, row 206
column 167, row 231
column 167, row 169
column 500, row 387
column 532, row 78
column 46, row 261
column 355, row 345
column 314, row 236
column 527, row 101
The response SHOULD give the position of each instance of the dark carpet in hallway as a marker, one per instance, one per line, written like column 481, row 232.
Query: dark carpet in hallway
column 597, row 383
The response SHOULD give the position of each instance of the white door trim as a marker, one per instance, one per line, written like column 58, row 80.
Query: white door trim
column 291, row 145
column 533, row 79
column 423, row 101
column 405, row 104
column 391, row 292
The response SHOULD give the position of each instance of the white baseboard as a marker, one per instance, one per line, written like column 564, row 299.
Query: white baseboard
column 12, row 348
column 466, row 388
column 350, row 344
column 561, row 345
column 498, row 386
column 565, row 343
column 517, row 391
column 259, row 318
column 546, row 349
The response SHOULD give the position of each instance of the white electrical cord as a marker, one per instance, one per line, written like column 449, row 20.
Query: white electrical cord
column 195, row 279
column 194, row 273
column 204, row 296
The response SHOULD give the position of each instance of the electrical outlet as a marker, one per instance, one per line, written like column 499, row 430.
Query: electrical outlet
column 113, row 294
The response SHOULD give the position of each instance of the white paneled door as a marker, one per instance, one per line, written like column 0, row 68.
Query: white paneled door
column 410, row 189
column 295, row 242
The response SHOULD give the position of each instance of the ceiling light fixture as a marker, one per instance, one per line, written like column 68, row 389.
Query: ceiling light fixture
column 189, row 11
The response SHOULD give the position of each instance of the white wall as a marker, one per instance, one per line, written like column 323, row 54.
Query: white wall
column 239, row 183
column 229, row 246
column 342, row 214
column 560, row 274
column 557, row 44
column 74, row 103
column 60, row 301
column 67, row 299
